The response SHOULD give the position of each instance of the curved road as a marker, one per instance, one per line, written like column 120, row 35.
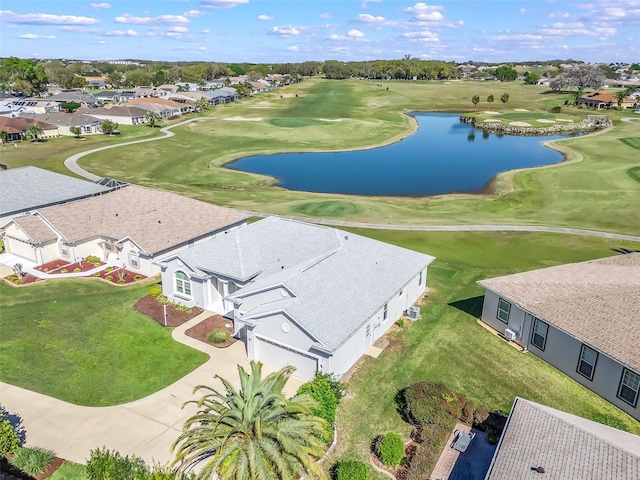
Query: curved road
column 72, row 164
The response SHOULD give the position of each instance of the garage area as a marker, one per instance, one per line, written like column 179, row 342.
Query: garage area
column 277, row 356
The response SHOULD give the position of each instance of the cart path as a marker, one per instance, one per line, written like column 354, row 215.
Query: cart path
column 72, row 164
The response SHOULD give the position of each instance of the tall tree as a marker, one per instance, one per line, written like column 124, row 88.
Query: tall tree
column 506, row 73
column 35, row 131
column 476, row 100
column 254, row 433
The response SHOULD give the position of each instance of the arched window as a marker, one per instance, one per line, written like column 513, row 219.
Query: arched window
column 183, row 285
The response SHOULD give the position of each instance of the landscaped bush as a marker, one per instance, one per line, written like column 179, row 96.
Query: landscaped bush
column 390, row 449
column 433, row 403
column 77, row 270
column 556, row 109
column 109, row 277
column 109, row 269
column 219, row 336
column 110, row 465
column 422, row 462
column 155, row 291
column 92, row 259
column 468, row 410
column 121, row 281
column 137, row 277
column 64, row 270
column 322, row 392
column 32, row 460
column 400, row 322
column 165, row 301
column 351, row 470
column 9, row 439
column 480, row 415
column 493, row 425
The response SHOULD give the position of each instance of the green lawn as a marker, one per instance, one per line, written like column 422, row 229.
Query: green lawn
column 448, row 345
column 593, row 190
column 69, row 471
column 82, row 342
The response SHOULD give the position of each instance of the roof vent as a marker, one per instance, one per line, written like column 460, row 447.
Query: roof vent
column 538, row 469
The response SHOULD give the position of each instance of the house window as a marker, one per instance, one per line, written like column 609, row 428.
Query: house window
column 368, row 330
column 86, row 129
column 629, row 386
column 539, row 337
column 420, row 280
column 64, row 250
column 504, row 308
column 183, row 285
column 385, row 311
column 587, row 363
column 133, row 259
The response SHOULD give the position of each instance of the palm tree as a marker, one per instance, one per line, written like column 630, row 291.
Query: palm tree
column 152, row 118
column 475, row 100
column 34, row 130
column 254, row 433
column 202, row 104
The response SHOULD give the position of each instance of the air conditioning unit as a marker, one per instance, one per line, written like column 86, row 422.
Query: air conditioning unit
column 510, row 334
column 413, row 313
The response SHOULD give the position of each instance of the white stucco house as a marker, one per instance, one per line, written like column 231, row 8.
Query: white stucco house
column 582, row 318
column 132, row 227
column 299, row 294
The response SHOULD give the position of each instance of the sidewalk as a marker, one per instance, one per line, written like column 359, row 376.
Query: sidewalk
column 145, row 427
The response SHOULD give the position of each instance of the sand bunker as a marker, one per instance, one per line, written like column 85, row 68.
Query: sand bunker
column 243, row 119
column 331, row 119
column 520, row 124
column 565, row 120
column 543, row 120
column 492, row 113
column 520, row 110
column 493, row 120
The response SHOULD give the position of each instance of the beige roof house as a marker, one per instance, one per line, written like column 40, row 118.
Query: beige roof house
column 594, row 301
column 563, row 446
column 154, row 219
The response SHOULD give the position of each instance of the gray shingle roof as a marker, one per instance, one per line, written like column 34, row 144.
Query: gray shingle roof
column 339, row 279
column 28, row 188
column 566, row 446
column 62, row 119
column 593, row 301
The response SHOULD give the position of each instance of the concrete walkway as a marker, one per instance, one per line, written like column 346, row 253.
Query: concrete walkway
column 145, row 427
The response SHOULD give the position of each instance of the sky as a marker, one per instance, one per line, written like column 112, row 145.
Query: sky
column 279, row 31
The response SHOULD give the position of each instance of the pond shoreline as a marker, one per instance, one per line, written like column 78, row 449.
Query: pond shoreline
column 587, row 125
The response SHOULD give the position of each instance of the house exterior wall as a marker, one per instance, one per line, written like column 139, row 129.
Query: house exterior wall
column 85, row 247
column 48, row 251
column 561, row 350
column 20, row 247
column 120, row 120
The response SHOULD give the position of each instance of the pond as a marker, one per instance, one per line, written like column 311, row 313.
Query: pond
column 442, row 156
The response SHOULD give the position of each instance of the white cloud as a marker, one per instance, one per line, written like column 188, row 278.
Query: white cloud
column 559, row 15
column 422, row 36
column 121, row 33
column 368, row 18
column 434, row 16
column 202, row 48
column 523, row 10
column 100, row 6
column 264, row 18
column 325, row 16
column 33, row 36
column 353, row 33
column 77, row 29
column 284, row 31
column 101, row 41
column 160, row 20
column 206, row 30
column 422, row 7
column 192, row 13
column 337, row 37
column 222, row 3
column 150, row 34
column 46, row 19
column 293, row 48
column 178, row 29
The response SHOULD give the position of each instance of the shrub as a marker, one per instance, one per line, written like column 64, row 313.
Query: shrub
column 423, row 460
column 337, row 386
column 351, row 470
column 64, row 270
column 467, row 412
column 219, row 336
column 480, row 415
column 390, row 449
column 321, row 391
column 137, row 277
column 9, row 439
column 97, row 274
column 433, row 403
column 400, row 322
column 109, row 269
column 155, row 291
column 109, row 277
column 110, row 465
column 121, row 281
column 32, row 460
column 96, row 264
column 92, row 259
column 556, row 109
column 77, row 269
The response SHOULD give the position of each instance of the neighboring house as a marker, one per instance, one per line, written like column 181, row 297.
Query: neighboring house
column 257, row 87
column 167, row 88
column 115, row 96
column 122, row 114
column 299, row 294
column 213, row 84
column 565, row 446
column 605, row 100
column 222, row 95
column 189, row 87
column 32, row 105
column 26, row 189
column 16, row 128
column 75, row 96
column 145, row 91
column 165, row 112
column 179, row 108
column 582, row 318
column 96, row 82
column 131, row 226
column 64, row 121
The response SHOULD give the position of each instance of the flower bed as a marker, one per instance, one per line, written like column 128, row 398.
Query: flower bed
column 119, row 276
column 202, row 330
column 62, row 266
column 151, row 307
column 27, row 278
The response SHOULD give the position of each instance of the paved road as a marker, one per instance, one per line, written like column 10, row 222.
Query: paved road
column 72, row 162
column 145, row 427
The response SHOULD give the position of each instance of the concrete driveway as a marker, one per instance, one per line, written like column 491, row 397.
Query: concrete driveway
column 145, row 427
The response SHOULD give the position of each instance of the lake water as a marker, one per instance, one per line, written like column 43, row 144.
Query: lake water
column 443, row 156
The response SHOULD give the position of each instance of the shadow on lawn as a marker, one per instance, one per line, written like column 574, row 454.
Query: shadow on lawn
column 472, row 306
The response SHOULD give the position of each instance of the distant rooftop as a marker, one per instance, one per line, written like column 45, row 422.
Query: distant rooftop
column 28, row 188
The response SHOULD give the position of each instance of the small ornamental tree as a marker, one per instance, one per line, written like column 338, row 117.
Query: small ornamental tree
column 320, row 390
column 9, row 438
column 351, row 470
column 476, row 100
column 390, row 449
column 76, row 131
column 109, row 127
column 490, row 99
column 70, row 106
column 504, row 98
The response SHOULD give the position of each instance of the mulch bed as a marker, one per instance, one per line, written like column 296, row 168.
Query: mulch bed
column 27, row 278
column 202, row 330
column 152, row 308
column 113, row 276
column 6, row 467
column 57, row 265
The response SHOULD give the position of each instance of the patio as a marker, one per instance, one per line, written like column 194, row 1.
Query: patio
column 472, row 464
